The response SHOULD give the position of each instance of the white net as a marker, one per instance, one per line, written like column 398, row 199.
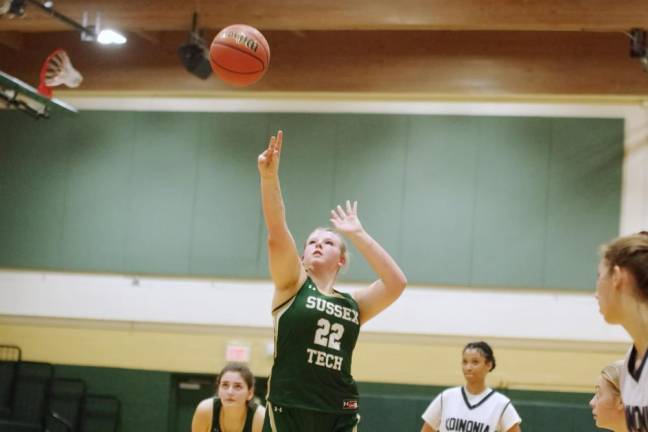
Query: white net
column 59, row 70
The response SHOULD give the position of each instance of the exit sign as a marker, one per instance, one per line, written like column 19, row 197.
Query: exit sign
column 237, row 353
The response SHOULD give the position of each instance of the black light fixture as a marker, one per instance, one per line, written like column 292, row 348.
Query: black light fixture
column 639, row 46
column 194, row 55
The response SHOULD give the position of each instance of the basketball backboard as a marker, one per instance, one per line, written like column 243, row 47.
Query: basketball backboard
column 16, row 94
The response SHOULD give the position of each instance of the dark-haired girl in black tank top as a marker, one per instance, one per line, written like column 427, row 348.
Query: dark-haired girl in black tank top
column 232, row 410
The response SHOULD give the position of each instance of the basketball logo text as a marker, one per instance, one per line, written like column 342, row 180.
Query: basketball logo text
column 241, row 39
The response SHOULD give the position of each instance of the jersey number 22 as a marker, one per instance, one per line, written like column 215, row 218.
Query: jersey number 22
column 328, row 335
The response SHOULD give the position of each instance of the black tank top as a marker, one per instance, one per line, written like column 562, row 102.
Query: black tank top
column 251, row 409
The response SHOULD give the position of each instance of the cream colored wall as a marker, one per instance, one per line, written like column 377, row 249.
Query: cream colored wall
column 153, row 347
column 386, row 358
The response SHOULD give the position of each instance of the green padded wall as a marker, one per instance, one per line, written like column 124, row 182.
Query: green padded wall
column 144, row 396
column 513, row 202
column 398, row 407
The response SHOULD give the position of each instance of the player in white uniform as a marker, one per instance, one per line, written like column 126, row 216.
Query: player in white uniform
column 473, row 407
column 622, row 294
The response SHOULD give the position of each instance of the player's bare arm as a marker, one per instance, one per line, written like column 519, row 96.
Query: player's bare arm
column 286, row 269
column 392, row 281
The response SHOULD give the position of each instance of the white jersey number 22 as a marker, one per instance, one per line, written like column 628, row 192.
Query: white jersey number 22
column 328, row 335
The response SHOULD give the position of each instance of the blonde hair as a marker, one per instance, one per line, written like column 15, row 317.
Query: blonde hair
column 631, row 253
column 612, row 374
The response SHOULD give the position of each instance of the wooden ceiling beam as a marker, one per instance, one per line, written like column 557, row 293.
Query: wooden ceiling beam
column 500, row 15
column 461, row 64
column 11, row 40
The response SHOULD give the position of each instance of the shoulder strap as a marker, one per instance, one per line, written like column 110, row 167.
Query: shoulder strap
column 293, row 297
column 504, row 410
column 251, row 410
column 216, row 415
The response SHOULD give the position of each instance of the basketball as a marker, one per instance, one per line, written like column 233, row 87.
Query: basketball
column 239, row 55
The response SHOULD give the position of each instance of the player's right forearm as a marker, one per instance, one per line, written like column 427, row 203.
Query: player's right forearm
column 274, row 212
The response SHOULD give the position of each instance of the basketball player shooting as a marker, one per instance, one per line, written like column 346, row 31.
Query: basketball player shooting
column 316, row 326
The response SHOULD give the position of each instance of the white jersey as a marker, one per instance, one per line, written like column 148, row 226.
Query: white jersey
column 456, row 410
column 634, row 392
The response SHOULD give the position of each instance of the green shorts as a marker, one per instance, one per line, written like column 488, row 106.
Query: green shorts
column 286, row 419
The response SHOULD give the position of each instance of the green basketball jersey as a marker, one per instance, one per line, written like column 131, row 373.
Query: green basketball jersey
column 315, row 335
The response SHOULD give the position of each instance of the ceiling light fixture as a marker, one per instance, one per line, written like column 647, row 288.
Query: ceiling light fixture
column 88, row 33
column 110, row 37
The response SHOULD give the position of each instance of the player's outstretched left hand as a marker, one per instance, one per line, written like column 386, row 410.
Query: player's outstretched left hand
column 346, row 220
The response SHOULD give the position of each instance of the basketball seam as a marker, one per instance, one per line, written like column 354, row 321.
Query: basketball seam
column 242, row 51
column 267, row 51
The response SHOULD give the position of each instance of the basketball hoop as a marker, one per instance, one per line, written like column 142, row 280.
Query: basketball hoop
column 56, row 70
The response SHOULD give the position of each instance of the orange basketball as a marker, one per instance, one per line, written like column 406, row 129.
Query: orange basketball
column 239, row 55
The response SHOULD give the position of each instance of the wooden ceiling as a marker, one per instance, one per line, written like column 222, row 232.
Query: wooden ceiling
column 424, row 48
column 522, row 15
